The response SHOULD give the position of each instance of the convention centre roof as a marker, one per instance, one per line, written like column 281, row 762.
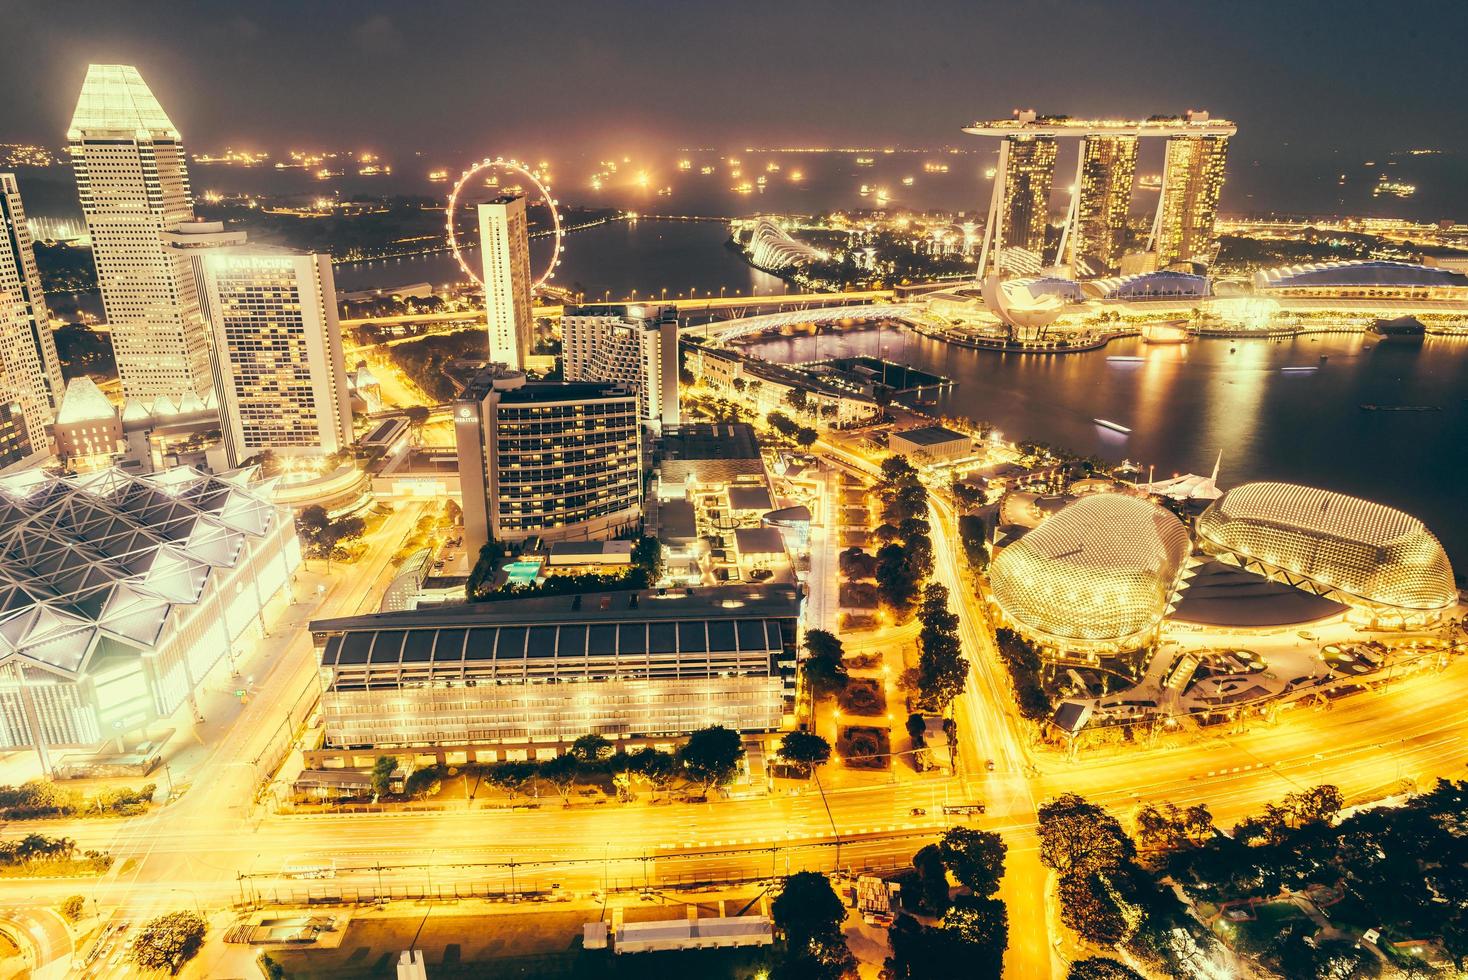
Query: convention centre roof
column 1379, row 273
column 100, row 559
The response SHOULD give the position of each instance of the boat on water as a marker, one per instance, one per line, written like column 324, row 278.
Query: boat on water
column 1400, row 330
column 1400, row 408
column 1300, row 369
column 1125, row 359
column 1113, row 426
column 1170, row 332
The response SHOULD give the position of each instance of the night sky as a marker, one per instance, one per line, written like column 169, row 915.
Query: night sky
column 1310, row 84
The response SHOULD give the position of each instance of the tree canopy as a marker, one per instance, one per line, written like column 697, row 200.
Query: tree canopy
column 168, row 941
column 804, row 751
column 711, row 756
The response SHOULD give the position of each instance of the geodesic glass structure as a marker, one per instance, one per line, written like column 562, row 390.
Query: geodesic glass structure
column 119, row 593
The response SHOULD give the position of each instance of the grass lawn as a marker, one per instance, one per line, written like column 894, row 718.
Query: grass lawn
column 540, row 944
column 1256, row 935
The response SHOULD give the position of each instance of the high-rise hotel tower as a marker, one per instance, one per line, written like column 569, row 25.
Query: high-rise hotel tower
column 1027, row 169
column 504, row 243
column 1103, row 199
column 133, row 184
column 1192, row 179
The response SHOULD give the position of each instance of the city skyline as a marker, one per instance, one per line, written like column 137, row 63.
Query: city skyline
column 1240, row 71
column 1023, row 555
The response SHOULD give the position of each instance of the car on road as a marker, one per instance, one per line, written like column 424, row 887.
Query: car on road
column 989, row 764
column 917, row 811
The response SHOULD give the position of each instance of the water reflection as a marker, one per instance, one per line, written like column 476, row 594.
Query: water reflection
column 1186, row 403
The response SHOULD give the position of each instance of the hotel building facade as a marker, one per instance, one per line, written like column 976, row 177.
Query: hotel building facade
column 504, row 243
column 278, row 359
column 1093, row 234
column 631, row 345
column 557, row 460
column 30, row 371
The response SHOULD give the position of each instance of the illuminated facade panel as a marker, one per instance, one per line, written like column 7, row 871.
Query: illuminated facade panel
column 1363, row 554
column 1192, row 179
column 133, row 183
column 519, row 672
column 1099, row 575
column 504, row 244
column 121, row 592
column 1108, row 165
column 1027, row 173
column 29, row 366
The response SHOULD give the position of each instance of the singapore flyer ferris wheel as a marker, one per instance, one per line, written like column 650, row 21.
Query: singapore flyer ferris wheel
column 538, row 192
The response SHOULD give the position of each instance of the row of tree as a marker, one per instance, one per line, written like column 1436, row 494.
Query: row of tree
column 1106, row 897
column 786, row 427
column 37, row 798
column 942, row 667
column 1024, row 664
column 905, row 559
column 1402, row 869
column 326, row 537
column 710, row 758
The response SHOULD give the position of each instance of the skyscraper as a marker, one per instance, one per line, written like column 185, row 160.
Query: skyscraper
column 1026, row 172
column 633, row 345
column 281, row 378
column 504, row 245
column 1107, row 167
column 1093, row 236
column 559, row 460
column 28, row 361
column 1192, row 178
column 133, row 184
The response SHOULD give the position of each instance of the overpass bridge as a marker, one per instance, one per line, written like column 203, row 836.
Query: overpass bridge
column 725, row 330
column 735, row 306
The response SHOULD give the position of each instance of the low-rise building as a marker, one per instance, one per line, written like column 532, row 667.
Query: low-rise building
column 771, row 387
column 708, row 452
column 588, row 557
column 88, row 428
column 931, row 443
column 525, row 677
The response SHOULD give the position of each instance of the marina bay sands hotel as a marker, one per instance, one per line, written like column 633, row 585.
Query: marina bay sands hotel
column 1093, row 236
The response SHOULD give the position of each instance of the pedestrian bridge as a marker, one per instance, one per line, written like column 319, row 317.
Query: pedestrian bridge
column 725, row 330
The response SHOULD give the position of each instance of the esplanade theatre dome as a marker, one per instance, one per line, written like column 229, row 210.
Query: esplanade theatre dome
column 1098, row 575
column 1357, row 552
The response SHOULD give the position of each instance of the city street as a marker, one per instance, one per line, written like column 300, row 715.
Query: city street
column 193, row 852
